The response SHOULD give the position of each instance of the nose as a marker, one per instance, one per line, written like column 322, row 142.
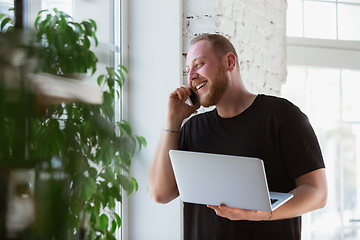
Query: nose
column 192, row 74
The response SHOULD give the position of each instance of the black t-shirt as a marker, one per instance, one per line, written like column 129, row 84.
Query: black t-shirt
column 272, row 129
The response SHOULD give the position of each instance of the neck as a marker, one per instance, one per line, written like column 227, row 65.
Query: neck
column 235, row 100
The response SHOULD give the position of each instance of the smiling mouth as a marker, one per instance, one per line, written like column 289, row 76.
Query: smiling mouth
column 200, row 85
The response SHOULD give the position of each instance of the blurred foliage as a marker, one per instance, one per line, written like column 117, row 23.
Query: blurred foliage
column 98, row 149
column 66, row 42
column 6, row 23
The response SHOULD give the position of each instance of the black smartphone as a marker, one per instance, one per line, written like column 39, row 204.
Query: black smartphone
column 193, row 97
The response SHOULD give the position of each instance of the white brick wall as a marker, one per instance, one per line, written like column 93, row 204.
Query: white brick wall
column 257, row 28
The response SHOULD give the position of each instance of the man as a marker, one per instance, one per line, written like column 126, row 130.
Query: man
column 243, row 124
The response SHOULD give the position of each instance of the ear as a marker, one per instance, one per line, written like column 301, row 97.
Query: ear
column 230, row 61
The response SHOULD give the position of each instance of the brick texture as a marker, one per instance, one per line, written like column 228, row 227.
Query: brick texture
column 257, row 28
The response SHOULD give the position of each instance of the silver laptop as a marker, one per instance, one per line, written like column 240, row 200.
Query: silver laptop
column 238, row 182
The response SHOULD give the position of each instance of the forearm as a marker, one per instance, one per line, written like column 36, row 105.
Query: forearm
column 162, row 182
column 306, row 199
column 308, row 196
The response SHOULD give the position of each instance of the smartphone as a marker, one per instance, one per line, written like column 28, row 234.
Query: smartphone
column 193, row 97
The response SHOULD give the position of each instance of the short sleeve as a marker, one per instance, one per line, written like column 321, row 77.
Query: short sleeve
column 299, row 145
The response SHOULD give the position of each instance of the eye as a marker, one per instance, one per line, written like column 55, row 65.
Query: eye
column 199, row 65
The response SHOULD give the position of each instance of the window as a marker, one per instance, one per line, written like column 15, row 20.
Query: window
column 323, row 77
column 330, row 99
column 327, row 19
column 5, row 5
column 109, row 19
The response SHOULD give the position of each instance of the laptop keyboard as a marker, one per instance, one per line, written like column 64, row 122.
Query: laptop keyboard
column 273, row 200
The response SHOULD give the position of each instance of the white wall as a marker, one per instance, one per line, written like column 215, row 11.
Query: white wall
column 257, row 28
column 157, row 31
column 154, row 71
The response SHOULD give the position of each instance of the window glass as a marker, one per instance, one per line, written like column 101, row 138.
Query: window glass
column 349, row 19
column 296, row 87
column 350, row 1
column 329, row 98
column 294, row 22
column 318, row 25
column 350, row 95
column 64, row 5
column 5, row 5
column 323, row 94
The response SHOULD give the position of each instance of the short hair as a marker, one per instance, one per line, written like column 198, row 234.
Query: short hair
column 219, row 43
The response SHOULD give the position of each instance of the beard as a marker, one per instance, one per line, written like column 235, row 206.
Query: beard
column 218, row 87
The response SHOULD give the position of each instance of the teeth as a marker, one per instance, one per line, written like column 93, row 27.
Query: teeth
column 200, row 85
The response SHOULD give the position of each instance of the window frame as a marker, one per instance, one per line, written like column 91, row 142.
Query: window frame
column 119, row 49
column 336, row 2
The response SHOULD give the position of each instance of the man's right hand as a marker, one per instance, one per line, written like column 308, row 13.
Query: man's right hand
column 177, row 109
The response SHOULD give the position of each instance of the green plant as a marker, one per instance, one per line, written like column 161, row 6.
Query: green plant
column 67, row 43
column 99, row 158
column 96, row 150
column 6, row 20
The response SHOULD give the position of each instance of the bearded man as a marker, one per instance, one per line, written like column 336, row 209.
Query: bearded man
column 242, row 124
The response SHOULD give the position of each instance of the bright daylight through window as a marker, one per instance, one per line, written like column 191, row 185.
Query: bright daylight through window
column 83, row 33
column 327, row 19
column 328, row 95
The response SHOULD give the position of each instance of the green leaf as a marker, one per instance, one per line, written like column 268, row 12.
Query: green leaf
column 86, row 42
column 111, row 71
column 108, row 99
column 97, row 204
column 93, row 23
column 111, row 204
column 4, row 22
column 124, row 68
column 134, row 183
column 45, row 10
column 37, row 22
column 96, row 40
column 113, row 226
column 124, row 182
column 108, row 175
column 86, row 192
column 75, row 207
column 140, row 141
column 90, row 182
column 49, row 34
column 92, row 172
column 110, row 83
column 78, row 27
column 2, row 15
column 124, row 125
column 118, row 219
column 115, row 192
column 88, row 27
column 63, row 24
column 121, row 78
column 109, row 236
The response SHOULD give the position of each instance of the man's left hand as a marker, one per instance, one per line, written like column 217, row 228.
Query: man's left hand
column 239, row 214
